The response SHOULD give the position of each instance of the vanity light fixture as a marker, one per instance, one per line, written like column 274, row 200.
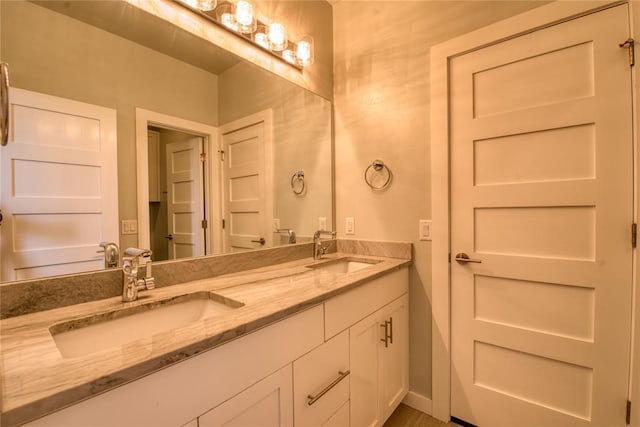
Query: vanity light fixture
column 239, row 17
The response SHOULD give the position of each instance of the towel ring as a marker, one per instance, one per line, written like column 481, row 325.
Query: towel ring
column 378, row 167
column 297, row 183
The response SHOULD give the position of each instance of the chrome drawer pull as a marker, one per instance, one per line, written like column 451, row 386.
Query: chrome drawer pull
column 314, row 399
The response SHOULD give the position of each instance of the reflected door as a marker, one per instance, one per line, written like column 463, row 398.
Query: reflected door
column 185, row 196
column 245, row 189
column 59, row 186
column 541, row 199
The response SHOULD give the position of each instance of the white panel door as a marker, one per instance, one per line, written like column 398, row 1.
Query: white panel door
column 541, row 194
column 185, row 197
column 245, row 189
column 59, row 186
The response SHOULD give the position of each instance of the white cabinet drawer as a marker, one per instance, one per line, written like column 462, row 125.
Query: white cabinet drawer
column 345, row 310
column 322, row 375
column 267, row 404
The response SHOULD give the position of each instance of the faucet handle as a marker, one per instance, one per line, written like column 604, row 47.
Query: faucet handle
column 136, row 252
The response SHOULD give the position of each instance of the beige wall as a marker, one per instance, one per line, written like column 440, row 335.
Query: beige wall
column 301, row 141
column 381, row 90
column 51, row 53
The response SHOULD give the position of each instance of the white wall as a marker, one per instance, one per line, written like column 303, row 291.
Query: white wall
column 381, row 95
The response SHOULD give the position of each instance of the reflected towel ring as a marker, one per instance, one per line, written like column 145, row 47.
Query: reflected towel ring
column 378, row 167
column 297, row 183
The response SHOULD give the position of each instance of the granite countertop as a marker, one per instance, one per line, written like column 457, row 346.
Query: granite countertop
column 37, row 379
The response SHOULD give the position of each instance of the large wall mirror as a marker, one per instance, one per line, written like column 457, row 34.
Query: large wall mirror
column 214, row 154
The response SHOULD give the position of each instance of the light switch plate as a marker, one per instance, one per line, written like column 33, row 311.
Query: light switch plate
column 349, row 225
column 424, row 232
column 322, row 223
column 276, row 224
column 129, row 226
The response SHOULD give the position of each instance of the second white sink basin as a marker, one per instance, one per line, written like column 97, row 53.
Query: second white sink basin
column 344, row 265
column 88, row 335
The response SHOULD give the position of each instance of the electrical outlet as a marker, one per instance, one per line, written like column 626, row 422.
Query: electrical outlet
column 424, row 232
column 129, row 226
column 322, row 223
column 276, row 224
column 349, row 225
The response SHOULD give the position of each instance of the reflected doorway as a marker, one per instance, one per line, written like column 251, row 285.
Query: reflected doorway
column 189, row 225
column 177, row 196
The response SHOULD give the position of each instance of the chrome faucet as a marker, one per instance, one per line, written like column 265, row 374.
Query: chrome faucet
column 292, row 234
column 111, row 254
column 318, row 248
column 131, row 284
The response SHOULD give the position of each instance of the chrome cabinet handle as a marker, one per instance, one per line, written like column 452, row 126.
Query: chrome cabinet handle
column 4, row 103
column 341, row 375
column 261, row 241
column 388, row 332
column 463, row 258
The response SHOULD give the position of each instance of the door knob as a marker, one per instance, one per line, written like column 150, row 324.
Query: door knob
column 463, row 258
column 169, row 237
column 261, row 241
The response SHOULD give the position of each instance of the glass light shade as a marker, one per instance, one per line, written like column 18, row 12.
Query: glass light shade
column 289, row 54
column 277, row 37
column 226, row 14
column 304, row 51
column 206, row 5
column 245, row 18
column 261, row 36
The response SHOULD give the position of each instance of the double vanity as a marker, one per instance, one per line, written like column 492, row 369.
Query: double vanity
column 287, row 340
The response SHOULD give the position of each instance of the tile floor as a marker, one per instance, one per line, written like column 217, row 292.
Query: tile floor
column 405, row 416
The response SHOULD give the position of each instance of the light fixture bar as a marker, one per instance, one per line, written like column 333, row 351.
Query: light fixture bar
column 260, row 33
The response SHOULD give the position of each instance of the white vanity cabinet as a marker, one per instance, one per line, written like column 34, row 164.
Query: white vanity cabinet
column 377, row 317
column 333, row 355
column 175, row 396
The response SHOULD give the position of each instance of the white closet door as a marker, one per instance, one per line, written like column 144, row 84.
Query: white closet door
column 59, row 186
column 541, row 194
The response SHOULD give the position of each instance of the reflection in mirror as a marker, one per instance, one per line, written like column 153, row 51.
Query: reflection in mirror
column 207, row 144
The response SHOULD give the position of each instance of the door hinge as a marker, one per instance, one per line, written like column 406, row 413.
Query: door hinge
column 221, row 155
column 203, row 157
column 634, row 235
column 628, row 412
column 205, row 224
column 631, row 44
column 223, row 223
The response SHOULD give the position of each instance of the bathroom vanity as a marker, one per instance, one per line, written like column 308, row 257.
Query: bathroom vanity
column 301, row 343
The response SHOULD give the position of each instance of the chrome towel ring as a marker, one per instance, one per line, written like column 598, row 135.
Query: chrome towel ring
column 377, row 167
column 297, row 183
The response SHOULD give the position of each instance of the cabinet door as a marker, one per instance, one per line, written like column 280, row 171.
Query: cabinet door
column 364, row 346
column 268, row 403
column 379, row 366
column 395, row 356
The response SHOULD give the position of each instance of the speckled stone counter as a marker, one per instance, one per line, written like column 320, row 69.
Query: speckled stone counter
column 37, row 379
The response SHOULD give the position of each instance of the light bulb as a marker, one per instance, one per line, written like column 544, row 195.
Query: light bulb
column 289, row 56
column 277, row 36
column 206, row 5
column 261, row 37
column 304, row 51
column 244, row 17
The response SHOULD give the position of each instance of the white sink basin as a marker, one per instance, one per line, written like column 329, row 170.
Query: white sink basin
column 343, row 265
column 88, row 335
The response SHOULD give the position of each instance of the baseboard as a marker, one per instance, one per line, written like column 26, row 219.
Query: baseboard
column 418, row 402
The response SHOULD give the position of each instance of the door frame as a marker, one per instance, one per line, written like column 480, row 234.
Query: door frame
column 518, row 25
column 146, row 118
